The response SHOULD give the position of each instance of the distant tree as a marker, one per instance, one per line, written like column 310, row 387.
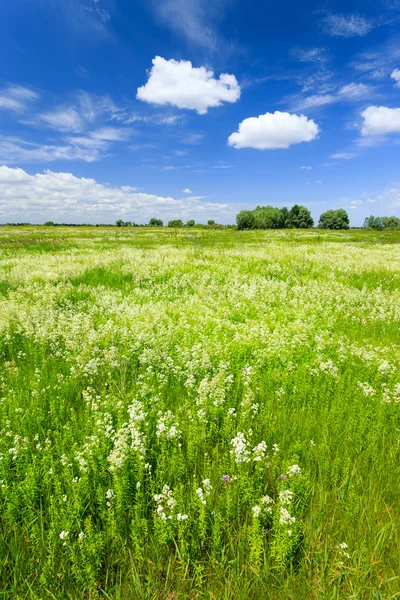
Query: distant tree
column 299, row 217
column 175, row 223
column 245, row 220
column 49, row 224
column 210, row 222
column 119, row 223
column 285, row 216
column 380, row 223
column 334, row 219
column 391, row 222
column 190, row 223
column 155, row 222
column 376, row 223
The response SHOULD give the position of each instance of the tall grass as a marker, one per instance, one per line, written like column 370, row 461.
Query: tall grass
column 204, row 416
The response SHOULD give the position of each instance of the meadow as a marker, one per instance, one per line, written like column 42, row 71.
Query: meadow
column 199, row 414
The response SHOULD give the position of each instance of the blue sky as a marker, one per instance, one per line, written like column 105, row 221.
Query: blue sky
column 174, row 108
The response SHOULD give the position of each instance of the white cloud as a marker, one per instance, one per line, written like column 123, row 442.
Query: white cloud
column 355, row 91
column 65, row 119
column 347, row 26
column 193, row 19
column 314, row 101
column 273, row 130
column 191, row 139
column 380, row 120
column 396, row 76
column 89, row 148
column 378, row 63
column 187, row 191
column 64, row 197
column 16, row 98
column 308, row 54
column 350, row 92
column 343, row 156
column 178, row 83
column 112, row 134
column 305, row 168
column 14, row 150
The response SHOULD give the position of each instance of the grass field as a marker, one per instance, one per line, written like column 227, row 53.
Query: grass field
column 199, row 415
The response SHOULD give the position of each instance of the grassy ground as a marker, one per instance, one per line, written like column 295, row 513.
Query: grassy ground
column 199, row 414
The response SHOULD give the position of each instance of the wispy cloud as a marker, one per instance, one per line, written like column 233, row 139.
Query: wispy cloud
column 351, row 92
column 379, row 62
column 193, row 19
column 192, row 138
column 17, row 98
column 343, row 156
column 316, row 54
column 15, row 150
column 350, row 25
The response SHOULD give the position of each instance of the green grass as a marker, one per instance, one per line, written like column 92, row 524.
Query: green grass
column 138, row 359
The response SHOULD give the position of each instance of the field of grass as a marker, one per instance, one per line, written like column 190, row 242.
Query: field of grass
column 199, row 415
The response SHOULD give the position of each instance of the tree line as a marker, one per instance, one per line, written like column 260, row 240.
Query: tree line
column 380, row 223
column 298, row 217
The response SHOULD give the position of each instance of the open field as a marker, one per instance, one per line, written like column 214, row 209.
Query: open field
column 199, row 414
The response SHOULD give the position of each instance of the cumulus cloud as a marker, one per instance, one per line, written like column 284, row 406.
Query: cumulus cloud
column 273, row 130
column 396, row 76
column 380, row 120
column 64, row 197
column 187, row 191
column 178, row 83
column 16, row 98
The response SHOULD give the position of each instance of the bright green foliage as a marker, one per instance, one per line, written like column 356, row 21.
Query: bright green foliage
column 268, row 217
column 334, row 219
column 380, row 223
column 211, row 415
column 175, row 223
column 190, row 223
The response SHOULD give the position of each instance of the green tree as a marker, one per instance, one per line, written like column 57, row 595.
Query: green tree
column 245, row 219
column 334, row 219
column 299, row 217
column 190, row 223
column 210, row 222
column 155, row 222
column 119, row 223
column 268, row 217
column 49, row 224
column 391, row 222
column 175, row 223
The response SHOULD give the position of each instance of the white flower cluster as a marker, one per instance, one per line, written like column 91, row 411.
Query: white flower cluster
column 205, row 491
column 294, row 471
column 285, row 497
column 165, row 504
column 260, row 451
column 366, row 389
column 167, row 427
column 240, row 450
column 128, row 437
column 265, row 506
column 285, row 518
